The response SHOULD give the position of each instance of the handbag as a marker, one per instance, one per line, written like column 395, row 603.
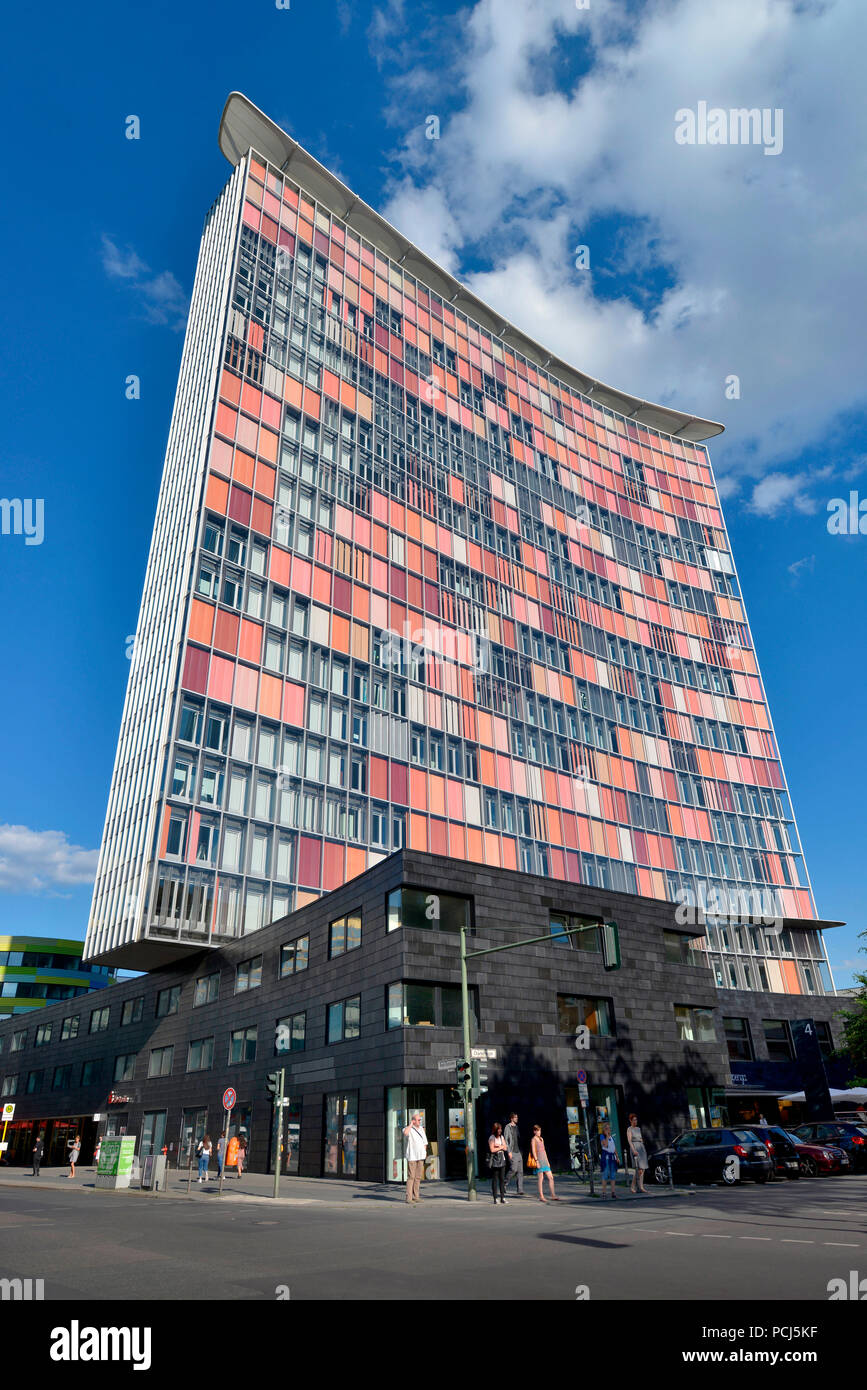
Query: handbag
column 531, row 1161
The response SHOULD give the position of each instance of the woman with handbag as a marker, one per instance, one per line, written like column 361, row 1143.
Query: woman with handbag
column 539, row 1160
column 497, row 1150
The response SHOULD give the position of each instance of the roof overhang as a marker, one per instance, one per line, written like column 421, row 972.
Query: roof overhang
column 243, row 127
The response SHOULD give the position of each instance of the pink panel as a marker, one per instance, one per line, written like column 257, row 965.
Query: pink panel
column 222, row 674
column 293, row 704
column 246, row 687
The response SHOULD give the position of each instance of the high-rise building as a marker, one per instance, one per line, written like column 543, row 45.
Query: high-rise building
column 415, row 581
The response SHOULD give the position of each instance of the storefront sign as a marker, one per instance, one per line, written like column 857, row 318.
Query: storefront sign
column 8, row 1112
column 115, row 1098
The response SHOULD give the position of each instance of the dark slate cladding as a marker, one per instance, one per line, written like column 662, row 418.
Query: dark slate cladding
column 517, row 993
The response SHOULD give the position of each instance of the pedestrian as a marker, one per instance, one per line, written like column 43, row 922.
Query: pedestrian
column 515, row 1166
column 74, row 1155
column 608, row 1158
column 242, row 1151
column 96, row 1153
column 415, row 1150
column 498, row 1151
column 38, row 1151
column 541, row 1164
column 639, row 1152
column 221, row 1153
column 762, row 1120
column 203, row 1149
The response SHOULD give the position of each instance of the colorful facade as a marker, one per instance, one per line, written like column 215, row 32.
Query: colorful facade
column 416, row 583
column 37, row 970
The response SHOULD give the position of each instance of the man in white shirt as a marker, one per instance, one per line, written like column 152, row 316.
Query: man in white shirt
column 415, row 1142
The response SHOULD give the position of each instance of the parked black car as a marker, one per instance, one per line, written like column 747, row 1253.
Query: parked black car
column 780, row 1147
column 700, row 1155
column 843, row 1134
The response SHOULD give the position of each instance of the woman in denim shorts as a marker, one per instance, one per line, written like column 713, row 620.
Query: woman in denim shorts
column 609, row 1158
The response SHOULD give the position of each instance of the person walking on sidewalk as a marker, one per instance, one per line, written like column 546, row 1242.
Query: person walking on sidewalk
column 203, row 1149
column 221, row 1153
column 541, row 1164
column 74, row 1154
column 515, row 1165
column 415, row 1143
column 498, row 1152
column 608, row 1156
column 639, row 1152
column 38, row 1151
column 242, row 1152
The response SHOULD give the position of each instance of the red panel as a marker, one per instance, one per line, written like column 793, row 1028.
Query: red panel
column 196, row 670
column 309, row 861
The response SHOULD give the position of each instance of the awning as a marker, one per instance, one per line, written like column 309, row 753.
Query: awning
column 857, row 1095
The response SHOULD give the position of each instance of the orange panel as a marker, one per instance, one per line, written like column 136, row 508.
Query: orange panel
column 217, row 494
column 251, row 641
column 201, row 622
column 270, row 695
column 226, row 632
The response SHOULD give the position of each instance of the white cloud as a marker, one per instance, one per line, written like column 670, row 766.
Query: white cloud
column 805, row 566
column 161, row 297
column 761, row 259
column 39, row 862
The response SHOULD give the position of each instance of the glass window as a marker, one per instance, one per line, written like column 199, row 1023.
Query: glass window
column 200, row 1054
column 248, row 974
column 575, row 1011
column 778, row 1040
column 344, row 934
column 62, row 1078
column 738, row 1039
column 34, row 1082
column 90, row 1071
column 131, row 1010
column 293, row 956
column 584, row 935
column 124, row 1066
column 291, row 1033
column 99, row 1020
column 69, row 1028
column 344, row 1020
column 168, row 1001
column 43, row 1034
column 242, row 1045
column 18, row 1041
column 160, row 1061
column 694, row 1024
column 207, row 989
column 415, row 907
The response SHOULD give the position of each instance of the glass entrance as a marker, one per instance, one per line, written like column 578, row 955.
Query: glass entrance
column 292, row 1138
column 340, row 1147
column 153, row 1133
column 404, row 1101
column 193, row 1127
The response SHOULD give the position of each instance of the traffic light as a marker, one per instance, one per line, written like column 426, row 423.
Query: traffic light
column 480, row 1077
column 274, row 1083
column 464, row 1073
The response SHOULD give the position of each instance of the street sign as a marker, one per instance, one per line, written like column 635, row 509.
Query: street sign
column 481, row 1054
column 582, row 1077
column 3, row 1147
column 584, row 1102
column 229, row 1098
column 8, row 1112
column 584, row 1093
column 448, row 1065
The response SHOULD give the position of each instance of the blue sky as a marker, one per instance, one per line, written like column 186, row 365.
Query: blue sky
column 556, row 130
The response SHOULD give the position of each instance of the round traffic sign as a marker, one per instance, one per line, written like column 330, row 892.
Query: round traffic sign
column 582, row 1077
column 229, row 1098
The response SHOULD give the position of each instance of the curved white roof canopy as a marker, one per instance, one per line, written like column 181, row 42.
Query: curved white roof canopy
column 244, row 126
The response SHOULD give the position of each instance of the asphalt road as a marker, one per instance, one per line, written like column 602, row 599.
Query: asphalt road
column 782, row 1241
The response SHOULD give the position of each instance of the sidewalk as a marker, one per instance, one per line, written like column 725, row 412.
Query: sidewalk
column 308, row 1191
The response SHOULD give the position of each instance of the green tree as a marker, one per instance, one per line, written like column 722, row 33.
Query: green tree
column 855, row 1026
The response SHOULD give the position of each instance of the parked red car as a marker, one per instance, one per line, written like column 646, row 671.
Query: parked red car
column 814, row 1159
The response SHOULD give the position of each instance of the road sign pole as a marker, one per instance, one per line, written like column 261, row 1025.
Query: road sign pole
column 469, row 1113
column 228, row 1121
column 278, row 1132
column 587, row 1142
